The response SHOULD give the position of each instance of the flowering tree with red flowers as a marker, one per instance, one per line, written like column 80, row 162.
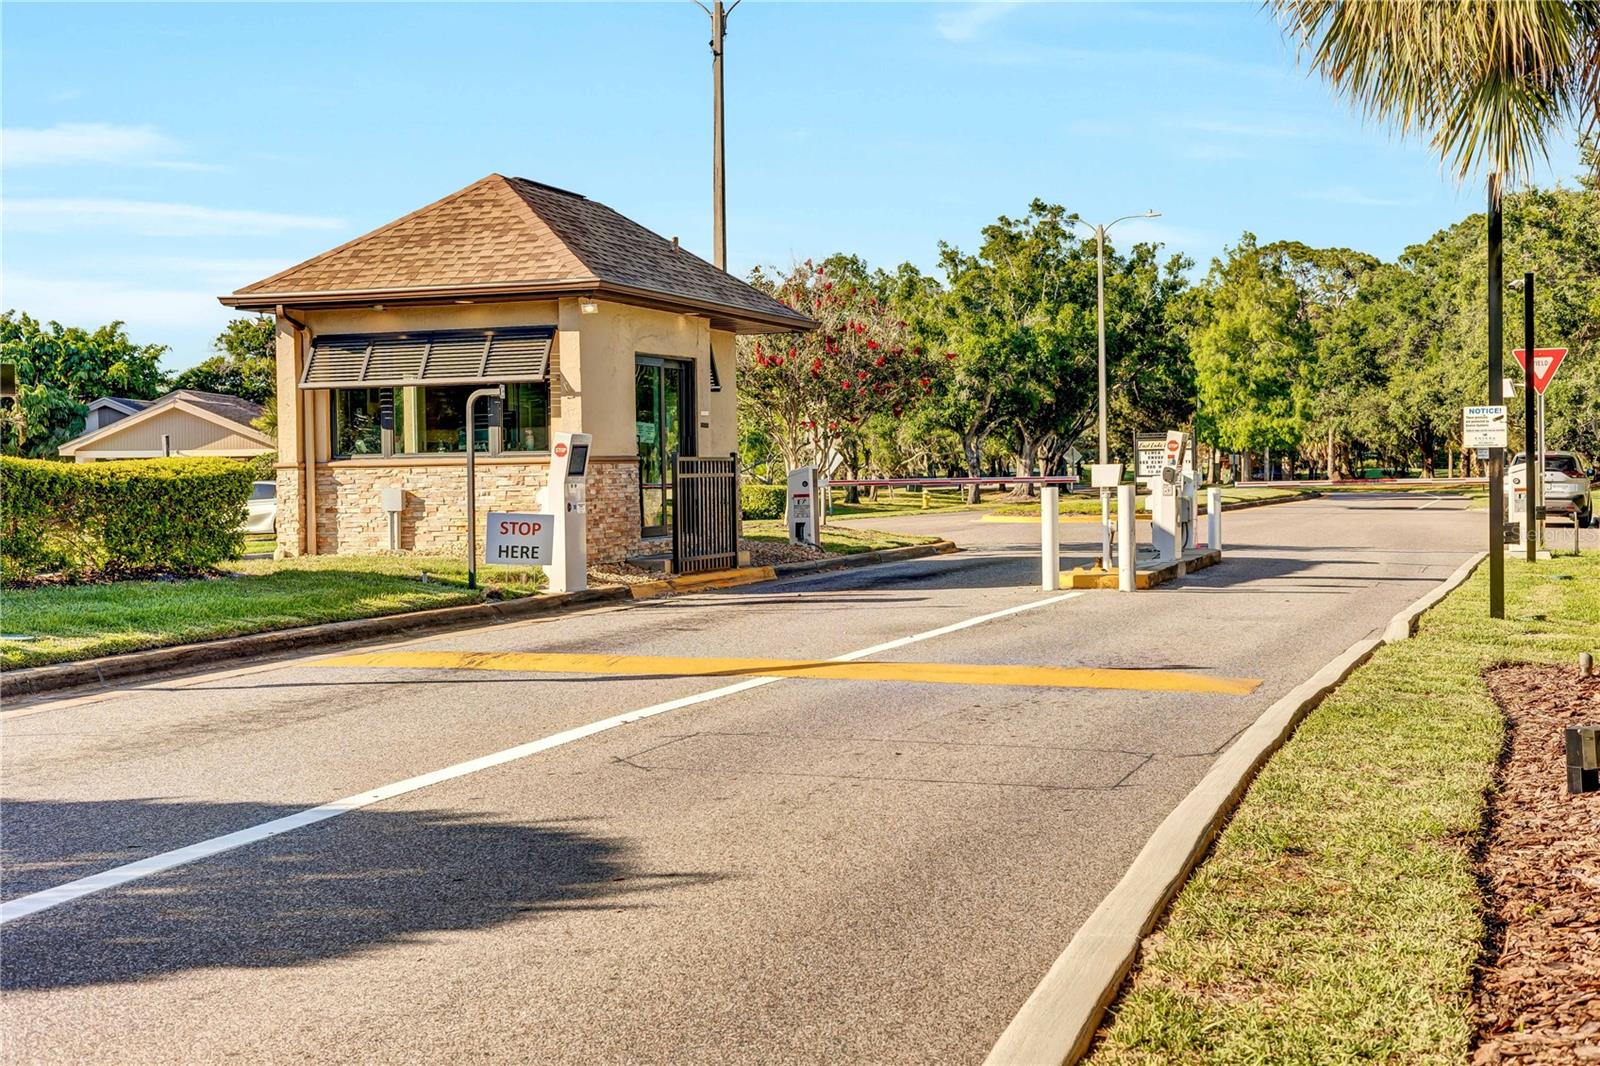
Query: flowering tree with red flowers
column 813, row 392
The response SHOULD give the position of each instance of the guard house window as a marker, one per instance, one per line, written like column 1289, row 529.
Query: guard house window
column 527, row 420
column 358, row 421
column 428, row 421
column 406, row 393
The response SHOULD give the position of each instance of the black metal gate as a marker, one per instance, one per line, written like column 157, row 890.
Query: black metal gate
column 705, row 515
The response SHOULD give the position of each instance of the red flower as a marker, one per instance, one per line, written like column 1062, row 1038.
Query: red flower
column 924, row 382
column 852, row 290
column 826, row 285
column 880, row 361
column 861, row 374
column 916, row 351
column 949, row 355
column 872, row 346
column 845, row 384
column 791, row 353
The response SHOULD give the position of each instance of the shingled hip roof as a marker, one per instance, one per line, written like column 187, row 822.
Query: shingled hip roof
column 511, row 237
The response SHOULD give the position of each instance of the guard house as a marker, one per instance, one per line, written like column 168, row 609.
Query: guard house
column 593, row 323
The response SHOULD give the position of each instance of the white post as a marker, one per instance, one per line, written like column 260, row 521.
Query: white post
column 1049, row 538
column 1213, row 519
column 1127, row 549
column 1105, row 529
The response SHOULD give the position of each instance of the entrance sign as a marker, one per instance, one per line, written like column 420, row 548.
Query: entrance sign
column 1484, row 426
column 1150, row 449
column 514, row 538
column 1546, row 361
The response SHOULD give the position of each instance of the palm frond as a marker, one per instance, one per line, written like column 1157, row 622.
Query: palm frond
column 1485, row 81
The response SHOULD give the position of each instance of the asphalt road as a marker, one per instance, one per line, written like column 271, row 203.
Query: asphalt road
column 795, row 870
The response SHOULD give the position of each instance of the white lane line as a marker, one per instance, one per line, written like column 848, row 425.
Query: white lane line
column 33, row 903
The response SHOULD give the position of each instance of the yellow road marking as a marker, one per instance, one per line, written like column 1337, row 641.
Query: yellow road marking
column 860, row 670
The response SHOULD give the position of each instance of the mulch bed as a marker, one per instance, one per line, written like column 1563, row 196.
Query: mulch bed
column 771, row 553
column 1538, row 994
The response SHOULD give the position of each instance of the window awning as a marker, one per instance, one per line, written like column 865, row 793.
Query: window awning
column 443, row 357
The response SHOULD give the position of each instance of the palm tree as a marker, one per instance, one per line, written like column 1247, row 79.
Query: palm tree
column 1487, row 81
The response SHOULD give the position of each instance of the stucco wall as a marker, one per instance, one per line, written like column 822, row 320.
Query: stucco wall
column 592, row 391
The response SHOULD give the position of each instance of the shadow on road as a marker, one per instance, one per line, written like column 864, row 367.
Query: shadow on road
column 363, row 880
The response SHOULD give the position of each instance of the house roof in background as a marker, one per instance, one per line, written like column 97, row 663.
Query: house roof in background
column 511, row 237
column 122, row 403
column 212, row 405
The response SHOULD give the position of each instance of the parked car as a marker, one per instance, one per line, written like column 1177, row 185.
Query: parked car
column 1568, row 486
column 263, row 514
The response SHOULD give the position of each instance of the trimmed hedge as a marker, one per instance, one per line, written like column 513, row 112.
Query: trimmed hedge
column 762, row 501
column 181, row 514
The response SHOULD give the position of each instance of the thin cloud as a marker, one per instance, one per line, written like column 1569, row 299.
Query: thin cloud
column 149, row 312
column 69, row 143
column 150, row 219
column 1271, row 131
column 1353, row 197
column 965, row 23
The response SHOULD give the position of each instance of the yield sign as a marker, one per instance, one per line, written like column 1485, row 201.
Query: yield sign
column 1545, row 362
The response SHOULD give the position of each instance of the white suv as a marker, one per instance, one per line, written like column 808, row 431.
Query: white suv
column 1568, row 487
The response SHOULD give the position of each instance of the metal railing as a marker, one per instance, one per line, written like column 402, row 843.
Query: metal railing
column 705, row 515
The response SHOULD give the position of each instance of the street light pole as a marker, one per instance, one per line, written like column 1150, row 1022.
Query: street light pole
column 1100, row 368
column 719, row 191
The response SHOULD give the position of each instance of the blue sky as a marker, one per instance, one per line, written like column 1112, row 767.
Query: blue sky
column 158, row 155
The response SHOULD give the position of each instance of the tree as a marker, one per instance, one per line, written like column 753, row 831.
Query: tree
column 1253, row 354
column 811, row 394
column 246, row 363
column 1016, row 322
column 60, row 369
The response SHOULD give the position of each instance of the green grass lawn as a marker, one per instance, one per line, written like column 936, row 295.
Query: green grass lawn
column 259, row 542
column 1088, row 503
column 82, row 621
column 905, row 501
column 836, row 539
column 1337, row 919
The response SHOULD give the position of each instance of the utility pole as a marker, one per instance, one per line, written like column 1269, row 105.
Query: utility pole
column 719, row 191
column 1100, row 300
column 1497, row 456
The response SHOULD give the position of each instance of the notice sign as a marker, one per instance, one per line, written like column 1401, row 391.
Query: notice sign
column 524, row 539
column 1150, row 450
column 1484, row 426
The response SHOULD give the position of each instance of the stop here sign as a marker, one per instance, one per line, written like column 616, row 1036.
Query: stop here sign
column 1545, row 362
column 519, row 538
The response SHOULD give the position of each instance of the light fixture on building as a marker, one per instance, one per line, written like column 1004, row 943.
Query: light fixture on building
column 588, row 305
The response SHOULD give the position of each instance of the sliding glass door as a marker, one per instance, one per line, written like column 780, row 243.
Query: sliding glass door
column 663, row 392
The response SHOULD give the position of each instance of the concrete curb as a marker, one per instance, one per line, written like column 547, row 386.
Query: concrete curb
column 1058, row 1021
column 872, row 558
column 1147, row 578
column 38, row 680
